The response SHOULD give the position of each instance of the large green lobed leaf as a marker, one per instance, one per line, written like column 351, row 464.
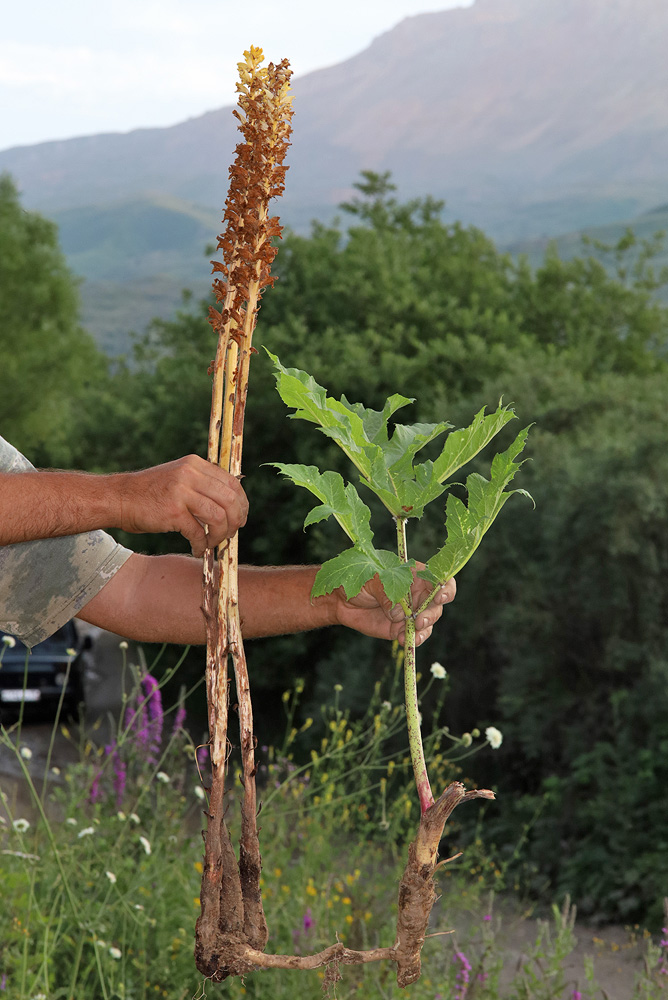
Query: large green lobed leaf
column 466, row 525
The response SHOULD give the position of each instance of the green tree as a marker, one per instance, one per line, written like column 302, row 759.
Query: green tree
column 47, row 359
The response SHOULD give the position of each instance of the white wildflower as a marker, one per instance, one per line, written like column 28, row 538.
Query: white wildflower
column 467, row 739
column 164, row 778
column 55, row 770
column 71, row 652
column 21, row 825
column 438, row 671
column 9, row 640
column 146, row 844
column 199, row 792
column 122, row 644
column 115, row 953
column 86, row 832
column 387, row 705
column 111, row 877
column 26, row 753
column 71, row 821
column 121, row 815
column 135, row 818
column 138, row 906
column 494, row 737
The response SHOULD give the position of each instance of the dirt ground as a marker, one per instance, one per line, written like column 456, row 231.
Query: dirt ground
column 618, row 956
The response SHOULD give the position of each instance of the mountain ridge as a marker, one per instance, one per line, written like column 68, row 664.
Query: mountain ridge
column 503, row 103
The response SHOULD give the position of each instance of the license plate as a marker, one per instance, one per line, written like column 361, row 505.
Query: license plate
column 19, row 694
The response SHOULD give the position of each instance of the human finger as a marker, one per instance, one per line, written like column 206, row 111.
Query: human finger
column 194, row 532
column 222, row 516
column 216, row 482
column 421, row 635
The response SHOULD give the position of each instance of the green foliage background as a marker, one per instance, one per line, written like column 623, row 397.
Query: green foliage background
column 559, row 632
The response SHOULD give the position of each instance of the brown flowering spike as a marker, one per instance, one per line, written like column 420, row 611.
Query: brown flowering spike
column 231, row 904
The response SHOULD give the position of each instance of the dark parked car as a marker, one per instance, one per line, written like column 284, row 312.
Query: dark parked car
column 40, row 689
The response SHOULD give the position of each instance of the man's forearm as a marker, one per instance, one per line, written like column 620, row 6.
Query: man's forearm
column 159, row 599
column 52, row 504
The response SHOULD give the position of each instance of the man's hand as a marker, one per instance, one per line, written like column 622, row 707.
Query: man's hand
column 178, row 496
column 183, row 495
column 372, row 613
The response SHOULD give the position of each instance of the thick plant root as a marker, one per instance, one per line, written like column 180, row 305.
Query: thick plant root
column 417, row 892
column 223, row 949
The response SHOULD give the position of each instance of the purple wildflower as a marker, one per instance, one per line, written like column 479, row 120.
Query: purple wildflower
column 463, row 976
column 308, row 920
column 136, row 723
column 94, row 793
column 3, row 981
column 576, row 995
column 155, row 715
column 488, row 916
column 202, row 755
column 179, row 719
column 120, row 773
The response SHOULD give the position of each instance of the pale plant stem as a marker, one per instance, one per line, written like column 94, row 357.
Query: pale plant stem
column 215, row 423
column 54, row 727
column 234, row 624
column 51, row 838
column 410, row 689
column 77, row 962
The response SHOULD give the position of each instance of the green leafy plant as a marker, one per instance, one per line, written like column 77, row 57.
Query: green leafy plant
column 387, row 463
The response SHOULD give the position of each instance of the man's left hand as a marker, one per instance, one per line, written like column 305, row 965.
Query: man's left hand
column 372, row 613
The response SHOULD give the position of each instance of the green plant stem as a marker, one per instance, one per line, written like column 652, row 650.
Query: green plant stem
column 429, row 598
column 410, row 689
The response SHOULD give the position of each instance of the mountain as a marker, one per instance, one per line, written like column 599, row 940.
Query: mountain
column 529, row 117
column 505, row 107
column 136, row 257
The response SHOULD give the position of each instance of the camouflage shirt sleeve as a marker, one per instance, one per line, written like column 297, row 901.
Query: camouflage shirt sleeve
column 44, row 583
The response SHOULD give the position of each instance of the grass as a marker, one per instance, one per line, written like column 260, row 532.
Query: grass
column 101, row 875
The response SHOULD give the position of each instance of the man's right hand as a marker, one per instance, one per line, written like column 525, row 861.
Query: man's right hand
column 183, row 495
column 179, row 496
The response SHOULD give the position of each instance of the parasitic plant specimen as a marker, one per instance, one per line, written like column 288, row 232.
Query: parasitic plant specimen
column 230, row 896
column 231, row 931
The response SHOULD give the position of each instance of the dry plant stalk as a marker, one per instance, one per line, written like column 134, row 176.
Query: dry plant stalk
column 231, row 931
column 230, row 895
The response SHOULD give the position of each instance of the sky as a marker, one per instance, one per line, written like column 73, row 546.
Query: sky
column 80, row 67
